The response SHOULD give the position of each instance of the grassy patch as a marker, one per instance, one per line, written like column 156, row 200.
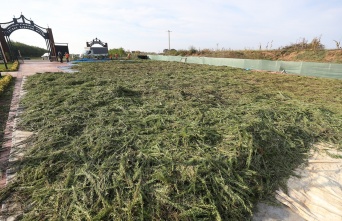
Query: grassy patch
column 284, row 54
column 3, row 67
column 314, row 56
column 11, row 66
column 166, row 141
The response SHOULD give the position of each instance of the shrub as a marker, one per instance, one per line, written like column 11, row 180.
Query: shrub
column 120, row 51
column 304, row 45
column 192, row 50
column 15, row 66
column 4, row 82
column 10, row 66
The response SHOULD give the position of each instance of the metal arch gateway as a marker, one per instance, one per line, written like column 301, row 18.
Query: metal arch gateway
column 97, row 41
column 7, row 28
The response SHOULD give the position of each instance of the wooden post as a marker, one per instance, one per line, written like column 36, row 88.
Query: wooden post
column 3, row 55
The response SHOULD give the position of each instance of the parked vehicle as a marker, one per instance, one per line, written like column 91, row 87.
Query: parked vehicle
column 95, row 52
column 45, row 56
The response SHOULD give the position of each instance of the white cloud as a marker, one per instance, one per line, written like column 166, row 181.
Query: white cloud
column 138, row 25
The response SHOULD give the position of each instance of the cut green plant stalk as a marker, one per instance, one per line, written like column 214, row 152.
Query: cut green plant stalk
column 155, row 140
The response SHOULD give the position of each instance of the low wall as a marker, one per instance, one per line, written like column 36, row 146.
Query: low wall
column 326, row 70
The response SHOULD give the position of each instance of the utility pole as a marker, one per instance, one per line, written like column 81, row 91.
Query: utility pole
column 169, row 38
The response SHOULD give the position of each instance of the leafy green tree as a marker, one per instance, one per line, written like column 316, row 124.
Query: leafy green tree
column 120, row 51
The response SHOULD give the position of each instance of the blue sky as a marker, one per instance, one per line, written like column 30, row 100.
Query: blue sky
column 203, row 24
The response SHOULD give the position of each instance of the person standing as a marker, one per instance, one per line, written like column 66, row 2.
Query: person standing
column 60, row 55
column 67, row 56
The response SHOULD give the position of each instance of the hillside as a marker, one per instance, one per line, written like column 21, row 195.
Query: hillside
column 27, row 50
column 325, row 56
column 303, row 51
column 333, row 56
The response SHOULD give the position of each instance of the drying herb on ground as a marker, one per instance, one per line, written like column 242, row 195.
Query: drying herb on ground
column 6, row 89
column 155, row 140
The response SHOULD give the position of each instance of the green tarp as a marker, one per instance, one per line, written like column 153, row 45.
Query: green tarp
column 327, row 70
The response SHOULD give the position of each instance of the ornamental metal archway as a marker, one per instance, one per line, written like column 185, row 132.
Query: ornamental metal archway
column 7, row 28
column 97, row 41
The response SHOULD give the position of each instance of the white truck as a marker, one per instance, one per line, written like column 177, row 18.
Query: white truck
column 95, row 52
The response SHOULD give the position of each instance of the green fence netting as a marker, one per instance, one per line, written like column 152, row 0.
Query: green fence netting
column 327, row 70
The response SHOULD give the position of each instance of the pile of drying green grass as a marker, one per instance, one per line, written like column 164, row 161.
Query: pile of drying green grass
column 6, row 89
column 166, row 141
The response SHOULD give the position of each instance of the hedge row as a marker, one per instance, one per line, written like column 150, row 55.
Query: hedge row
column 4, row 82
column 13, row 67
